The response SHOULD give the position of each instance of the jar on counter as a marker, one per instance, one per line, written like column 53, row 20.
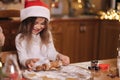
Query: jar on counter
column 11, row 68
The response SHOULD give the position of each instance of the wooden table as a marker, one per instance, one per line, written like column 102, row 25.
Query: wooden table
column 102, row 74
column 98, row 75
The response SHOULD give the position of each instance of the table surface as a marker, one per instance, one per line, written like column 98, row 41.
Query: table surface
column 102, row 74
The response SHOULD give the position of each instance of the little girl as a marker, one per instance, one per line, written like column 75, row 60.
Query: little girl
column 34, row 42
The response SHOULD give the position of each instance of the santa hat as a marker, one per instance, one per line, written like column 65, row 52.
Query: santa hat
column 35, row 8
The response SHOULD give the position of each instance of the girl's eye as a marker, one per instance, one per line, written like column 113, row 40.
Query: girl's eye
column 43, row 23
column 35, row 23
column 39, row 23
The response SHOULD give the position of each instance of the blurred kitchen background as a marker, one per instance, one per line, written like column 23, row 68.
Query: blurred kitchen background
column 82, row 29
column 64, row 7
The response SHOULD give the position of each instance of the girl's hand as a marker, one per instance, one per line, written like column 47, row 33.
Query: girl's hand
column 31, row 62
column 65, row 59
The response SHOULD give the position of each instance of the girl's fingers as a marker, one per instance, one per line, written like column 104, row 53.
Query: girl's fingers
column 31, row 62
column 35, row 60
column 66, row 60
column 29, row 66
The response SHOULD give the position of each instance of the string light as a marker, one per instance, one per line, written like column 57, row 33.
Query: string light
column 79, row 1
column 110, row 14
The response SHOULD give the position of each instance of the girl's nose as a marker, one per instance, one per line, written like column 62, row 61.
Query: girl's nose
column 42, row 26
column 39, row 26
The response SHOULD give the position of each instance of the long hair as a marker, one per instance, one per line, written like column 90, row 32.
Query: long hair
column 26, row 27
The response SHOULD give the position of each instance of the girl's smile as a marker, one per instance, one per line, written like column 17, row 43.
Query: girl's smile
column 39, row 25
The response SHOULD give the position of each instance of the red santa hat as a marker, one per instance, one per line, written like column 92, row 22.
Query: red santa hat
column 35, row 8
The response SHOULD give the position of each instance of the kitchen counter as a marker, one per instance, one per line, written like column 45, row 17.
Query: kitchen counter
column 74, row 18
column 97, row 75
column 9, row 13
column 102, row 74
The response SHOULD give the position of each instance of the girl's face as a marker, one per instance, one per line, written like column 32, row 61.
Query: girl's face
column 39, row 25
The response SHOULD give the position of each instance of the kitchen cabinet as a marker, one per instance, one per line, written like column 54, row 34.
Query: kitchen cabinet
column 9, row 21
column 109, row 31
column 69, row 39
column 10, row 28
column 87, row 40
column 57, row 33
column 63, row 33
column 76, row 38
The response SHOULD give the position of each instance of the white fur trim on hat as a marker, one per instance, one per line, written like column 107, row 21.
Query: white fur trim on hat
column 35, row 11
